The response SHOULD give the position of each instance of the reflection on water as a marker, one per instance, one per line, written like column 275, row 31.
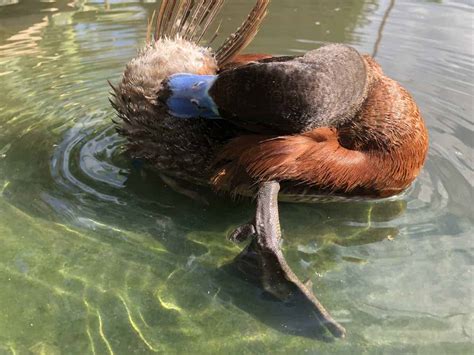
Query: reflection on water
column 100, row 257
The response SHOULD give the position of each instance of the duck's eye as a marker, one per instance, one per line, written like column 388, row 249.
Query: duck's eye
column 195, row 102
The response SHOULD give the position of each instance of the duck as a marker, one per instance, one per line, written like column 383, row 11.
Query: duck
column 326, row 124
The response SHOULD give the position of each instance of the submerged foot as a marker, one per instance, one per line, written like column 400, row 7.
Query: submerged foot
column 277, row 278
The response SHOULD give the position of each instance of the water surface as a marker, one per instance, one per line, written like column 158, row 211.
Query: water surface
column 99, row 258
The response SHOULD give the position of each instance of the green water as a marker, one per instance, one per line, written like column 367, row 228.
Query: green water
column 97, row 258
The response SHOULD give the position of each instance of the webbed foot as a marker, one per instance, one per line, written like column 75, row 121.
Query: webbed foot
column 276, row 276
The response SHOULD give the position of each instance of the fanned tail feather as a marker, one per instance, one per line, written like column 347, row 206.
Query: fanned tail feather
column 237, row 42
column 191, row 19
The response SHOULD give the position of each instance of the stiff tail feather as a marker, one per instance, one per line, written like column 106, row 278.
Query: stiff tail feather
column 191, row 19
column 244, row 35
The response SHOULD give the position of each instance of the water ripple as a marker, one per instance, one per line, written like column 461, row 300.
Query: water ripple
column 75, row 142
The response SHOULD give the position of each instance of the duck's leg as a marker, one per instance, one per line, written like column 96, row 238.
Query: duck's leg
column 277, row 276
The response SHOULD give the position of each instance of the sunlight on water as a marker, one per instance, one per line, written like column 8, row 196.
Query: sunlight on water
column 98, row 257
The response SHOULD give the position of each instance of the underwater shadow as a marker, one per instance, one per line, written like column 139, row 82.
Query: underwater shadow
column 243, row 287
